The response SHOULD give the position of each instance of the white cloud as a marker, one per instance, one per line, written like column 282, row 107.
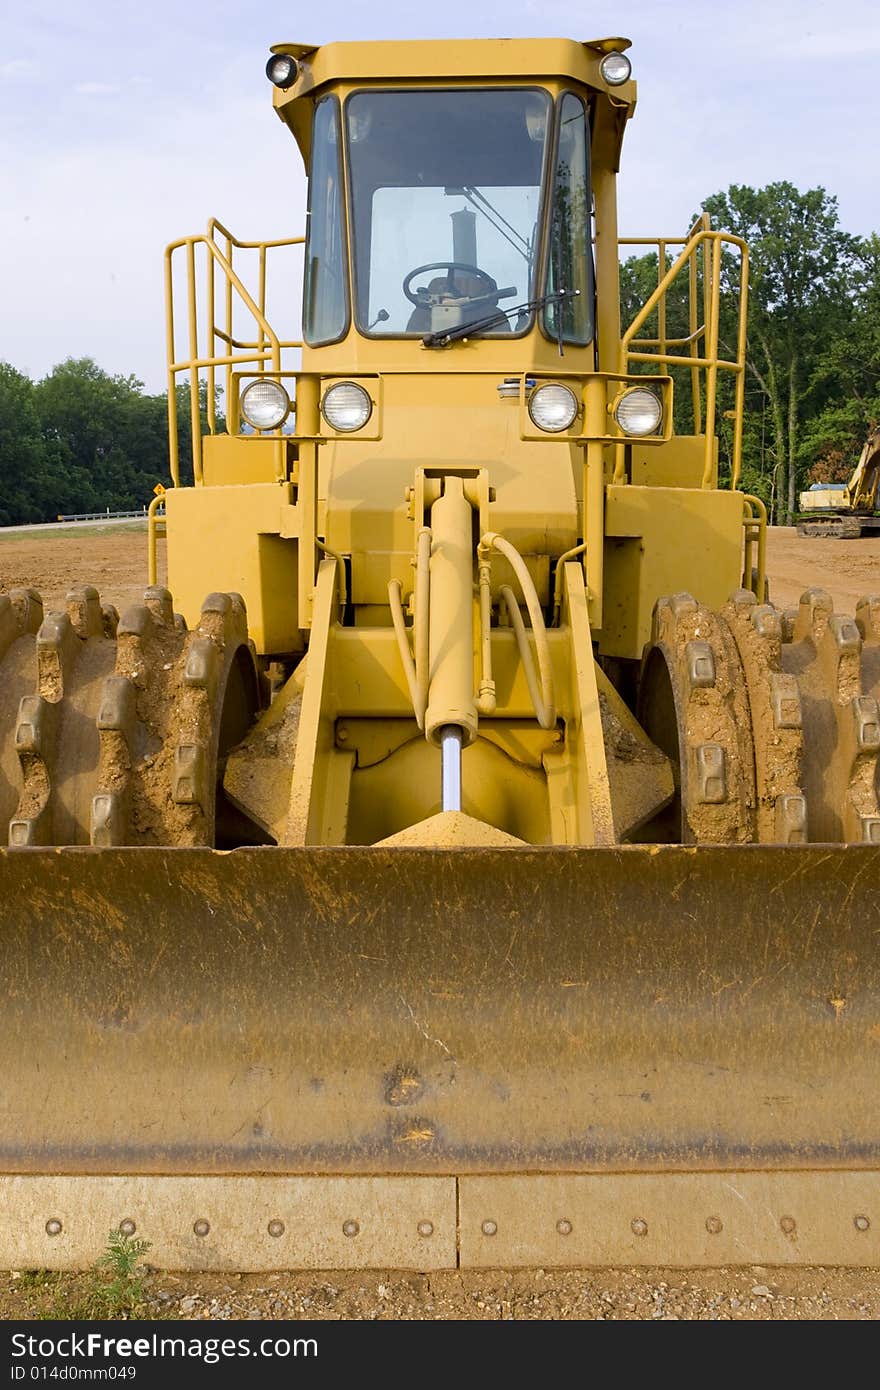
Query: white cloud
column 96, row 89
column 862, row 44
column 17, row 68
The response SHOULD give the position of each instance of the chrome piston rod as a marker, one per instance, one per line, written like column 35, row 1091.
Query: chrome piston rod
column 450, row 754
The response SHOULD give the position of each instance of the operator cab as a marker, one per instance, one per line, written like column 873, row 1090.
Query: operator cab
column 462, row 205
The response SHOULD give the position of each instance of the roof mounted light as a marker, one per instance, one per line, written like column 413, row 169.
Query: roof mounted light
column 282, row 70
column 616, row 69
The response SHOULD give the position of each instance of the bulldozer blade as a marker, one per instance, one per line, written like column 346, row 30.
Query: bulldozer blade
column 419, row 1057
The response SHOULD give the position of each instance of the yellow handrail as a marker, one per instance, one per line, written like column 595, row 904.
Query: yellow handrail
column 702, row 337
column 755, row 534
column 154, row 521
column 261, row 353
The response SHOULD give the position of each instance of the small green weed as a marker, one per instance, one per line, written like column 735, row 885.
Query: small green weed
column 124, row 1293
column 113, row 1288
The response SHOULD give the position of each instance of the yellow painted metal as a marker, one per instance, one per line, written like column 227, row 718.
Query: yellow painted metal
column 488, row 61
column 213, row 345
column 861, row 489
column 251, row 557
column 755, row 546
column 352, row 488
column 708, row 244
column 588, row 819
column 308, row 424
column 595, row 415
column 225, row 462
column 451, row 698
column 664, row 540
column 314, row 816
column 522, row 1011
column 155, row 528
column 369, row 517
column 680, row 465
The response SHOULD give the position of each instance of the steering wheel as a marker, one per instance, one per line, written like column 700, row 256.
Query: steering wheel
column 419, row 296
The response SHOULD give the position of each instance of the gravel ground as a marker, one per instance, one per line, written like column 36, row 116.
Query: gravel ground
column 753, row 1294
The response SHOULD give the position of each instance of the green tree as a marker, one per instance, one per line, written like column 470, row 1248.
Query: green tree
column 800, row 299
column 26, row 482
column 845, row 389
column 110, row 437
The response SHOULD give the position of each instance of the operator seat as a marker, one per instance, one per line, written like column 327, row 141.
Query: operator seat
column 420, row 318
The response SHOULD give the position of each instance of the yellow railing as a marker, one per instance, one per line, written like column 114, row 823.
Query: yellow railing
column 755, row 545
column 701, row 258
column 205, row 335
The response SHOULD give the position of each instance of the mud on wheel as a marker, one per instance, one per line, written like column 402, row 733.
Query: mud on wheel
column 770, row 719
column 120, row 728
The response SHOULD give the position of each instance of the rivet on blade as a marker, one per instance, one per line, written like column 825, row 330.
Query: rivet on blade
column 861, row 1223
column 639, row 1227
column 426, row 1228
column 787, row 1225
column 127, row 1227
column 714, row 1225
column 275, row 1228
column 564, row 1227
column 489, row 1228
column 350, row 1228
column 53, row 1227
column 201, row 1227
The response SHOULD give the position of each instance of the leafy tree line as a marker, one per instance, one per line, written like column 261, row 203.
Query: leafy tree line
column 81, row 440
column 812, row 387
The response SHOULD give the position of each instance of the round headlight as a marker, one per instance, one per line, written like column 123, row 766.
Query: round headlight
column 282, row 70
column 346, row 406
column 638, row 411
column 265, row 404
column 553, row 408
column 615, row 68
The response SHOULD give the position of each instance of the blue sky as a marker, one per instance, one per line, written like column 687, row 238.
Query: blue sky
column 125, row 125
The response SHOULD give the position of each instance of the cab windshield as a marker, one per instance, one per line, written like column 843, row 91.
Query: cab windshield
column 445, row 207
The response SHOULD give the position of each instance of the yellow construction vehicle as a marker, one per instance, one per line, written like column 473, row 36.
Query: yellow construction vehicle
column 483, row 873
column 845, row 510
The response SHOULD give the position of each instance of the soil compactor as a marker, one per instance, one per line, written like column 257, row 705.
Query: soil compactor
column 484, row 872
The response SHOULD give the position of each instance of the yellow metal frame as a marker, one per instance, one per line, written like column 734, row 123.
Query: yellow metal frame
column 702, row 249
column 605, row 431
column 755, row 539
column 262, row 352
column 155, row 529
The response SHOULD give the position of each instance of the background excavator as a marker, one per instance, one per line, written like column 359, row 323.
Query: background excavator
column 846, row 510
column 483, row 872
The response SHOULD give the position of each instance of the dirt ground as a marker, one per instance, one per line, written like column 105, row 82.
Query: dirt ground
column 115, row 561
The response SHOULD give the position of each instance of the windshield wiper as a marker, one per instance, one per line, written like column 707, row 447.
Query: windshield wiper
column 464, row 330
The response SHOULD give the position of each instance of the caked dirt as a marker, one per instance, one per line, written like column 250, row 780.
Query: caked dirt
column 115, row 562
